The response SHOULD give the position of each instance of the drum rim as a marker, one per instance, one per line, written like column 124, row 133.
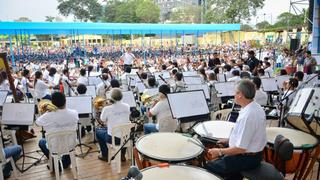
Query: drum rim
column 204, row 136
column 167, row 159
column 181, row 165
column 295, row 147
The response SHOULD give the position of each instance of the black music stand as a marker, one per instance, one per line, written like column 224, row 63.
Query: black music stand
column 189, row 106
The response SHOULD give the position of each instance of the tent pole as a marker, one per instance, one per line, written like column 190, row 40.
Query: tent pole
column 11, row 52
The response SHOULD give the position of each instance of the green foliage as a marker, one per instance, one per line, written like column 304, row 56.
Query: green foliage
column 288, row 19
column 23, row 19
column 131, row 11
column 147, row 11
column 263, row 25
column 246, row 27
column 50, row 18
column 82, row 10
column 231, row 11
column 188, row 14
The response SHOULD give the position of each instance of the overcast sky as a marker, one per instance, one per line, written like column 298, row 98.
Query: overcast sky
column 36, row 10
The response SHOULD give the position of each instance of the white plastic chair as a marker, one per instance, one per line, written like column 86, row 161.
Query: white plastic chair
column 222, row 113
column 124, row 130
column 4, row 161
column 59, row 144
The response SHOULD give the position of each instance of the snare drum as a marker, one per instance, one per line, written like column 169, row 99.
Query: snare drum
column 174, row 172
column 169, row 147
column 302, row 142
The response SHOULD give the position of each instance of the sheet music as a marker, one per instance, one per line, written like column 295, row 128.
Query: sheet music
column 140, row 87
column 91, row 91
column 301, row 99
column 189, row 73
column 192, row 80
column 187, row 104
column 156, row 75
column 153, row 91
column 166, row 74
column 269, row 84
column 3, row 97
column 225, row 88
column 281, row 79
column 128, row 97
column 203, row 87
column 134, row 71
column 82, row 104
column 132, row 79
column 18, row 114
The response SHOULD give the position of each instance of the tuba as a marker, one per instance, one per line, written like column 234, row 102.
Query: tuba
column 148, row 100
column 46, row 106
column 99, row 102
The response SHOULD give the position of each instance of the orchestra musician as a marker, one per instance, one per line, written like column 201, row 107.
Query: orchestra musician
column 83, row 79
column 41, row 89
column 26, row 84
column 115, row 114
column 179, row 85
column 61, row 120
column 128, row 58
column 162, row 110
column 247, row 140
column 261, row 97
column 104, row 86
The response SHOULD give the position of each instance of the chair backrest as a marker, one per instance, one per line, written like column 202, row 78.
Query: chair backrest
column 124, row 131
column 61, row 142
column 221, row 114
column 283, row 152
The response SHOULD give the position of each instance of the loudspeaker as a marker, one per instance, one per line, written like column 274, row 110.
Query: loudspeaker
column 294, row 44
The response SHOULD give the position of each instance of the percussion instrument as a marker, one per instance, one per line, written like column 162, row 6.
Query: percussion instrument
column 214, row 130
column 169, row 147
column 173, row 172
column 304, row 121
column 303, row 144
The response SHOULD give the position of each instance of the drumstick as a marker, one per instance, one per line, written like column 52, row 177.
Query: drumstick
column 195, row 143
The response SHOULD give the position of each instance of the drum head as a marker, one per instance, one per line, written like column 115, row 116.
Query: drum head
column 168, row 147
column 174, row 172
column 299, row 139
column 214, row 130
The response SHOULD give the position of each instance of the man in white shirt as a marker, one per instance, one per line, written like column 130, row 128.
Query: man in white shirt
column 46, row 73
column 116, row 114
column 235, row 76
column 83, row 79
column 162, row 110
column 26, row 83
column 261, row 97
column 61, row 120
column 247, row 140
column 105, row 85
column 128, row 58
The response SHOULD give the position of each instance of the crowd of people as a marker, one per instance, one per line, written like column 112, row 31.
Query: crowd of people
column 39, row 76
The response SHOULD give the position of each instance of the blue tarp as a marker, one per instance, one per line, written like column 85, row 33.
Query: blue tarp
column 110, row 28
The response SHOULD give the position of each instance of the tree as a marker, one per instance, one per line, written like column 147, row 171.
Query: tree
column 23, row 19
column 58, row 19
column 288, row 19
column 147, row 11
column 126, row 12
column 109, row 14
column 188, row 14
column 50, row 18
column 82, row 10
column 263, row 25
column 231, row 11
column 246, row 27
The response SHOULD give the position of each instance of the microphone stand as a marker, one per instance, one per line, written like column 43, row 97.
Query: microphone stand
column 131, row 137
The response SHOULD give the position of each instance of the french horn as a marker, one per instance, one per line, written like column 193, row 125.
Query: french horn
column 46, row 106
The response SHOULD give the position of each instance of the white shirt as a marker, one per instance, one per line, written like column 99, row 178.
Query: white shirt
column 83, row 80
column 261, row 97
column 115, row 114
column 46, row 74
column 268, row 71
column 179, row 86
column 24, row 82
column 235, row 78
column 61, row 120
column 249, row 132
column 41, row 89
column 4, row 86
column 128, row 58
column 101, row 88
column 165, row 121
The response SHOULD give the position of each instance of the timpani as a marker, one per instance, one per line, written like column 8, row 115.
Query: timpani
column 174, row 172
column 214, row 130
column 303, row 145
column 169, row 147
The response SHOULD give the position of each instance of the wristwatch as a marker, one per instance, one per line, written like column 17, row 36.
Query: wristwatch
column 220, row 153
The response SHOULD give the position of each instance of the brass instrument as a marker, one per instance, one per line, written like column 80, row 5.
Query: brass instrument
column 99, row 102
column 148, row 100
column 46, row 106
